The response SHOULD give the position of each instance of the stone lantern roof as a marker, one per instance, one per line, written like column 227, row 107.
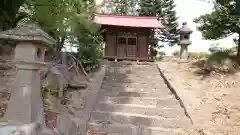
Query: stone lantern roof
column 185, row 29
column 29, row 32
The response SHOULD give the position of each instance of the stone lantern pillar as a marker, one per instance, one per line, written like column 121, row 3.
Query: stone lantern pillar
column 25, row 105
column 184, row 41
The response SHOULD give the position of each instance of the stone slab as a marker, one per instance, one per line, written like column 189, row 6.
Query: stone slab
column 134, row 94
column 24, row 129
column 137, row 87
column 143, row 110
column 120, row 129
column 137, row 119
column 165, row 103
column 186, row 98
column 83, row 115
column 134, row 100
column 66, row 126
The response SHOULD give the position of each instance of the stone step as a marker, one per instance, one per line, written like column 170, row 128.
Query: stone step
column 134, row 71
column 143, row 84
column 128, row 67
column 131, row 91
column 159, row 103
column 145, row 101
column 126, row 129
column 136, row 76
column 134, row 81
column 134, row 94
column 143, row 110
column 124, row 73
column 132, row 87
column 138, row 119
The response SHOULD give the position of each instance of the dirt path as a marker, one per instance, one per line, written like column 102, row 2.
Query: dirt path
column 134, row 100
column 213, row 102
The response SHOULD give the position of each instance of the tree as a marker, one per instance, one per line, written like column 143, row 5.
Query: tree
column 169, row 20
column 148, row 8
column 68, row 22
column 9, row 15
column 237, row 8
column 89, row 46
column 165, row 11
column 121, row 7
column 220, row 23
column 87, row 36
column 53, row 17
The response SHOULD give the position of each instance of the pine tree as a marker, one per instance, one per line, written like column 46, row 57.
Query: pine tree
column 120, row 7
column 9, row 15
column 165, row 11
column 170, row 21
column 220, row 23
column 149, row 8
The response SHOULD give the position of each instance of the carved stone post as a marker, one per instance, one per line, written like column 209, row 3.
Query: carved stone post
column 184, row 41
column 25, row 105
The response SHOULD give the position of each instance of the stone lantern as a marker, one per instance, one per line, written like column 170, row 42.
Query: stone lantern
column 25, row 105
column 184, row 41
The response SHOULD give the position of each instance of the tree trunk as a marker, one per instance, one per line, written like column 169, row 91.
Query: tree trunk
column 60, row 44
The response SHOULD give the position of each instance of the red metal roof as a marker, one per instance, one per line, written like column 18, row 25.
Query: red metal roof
column 128, row 21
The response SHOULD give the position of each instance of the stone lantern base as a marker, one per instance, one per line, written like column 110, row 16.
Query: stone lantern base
column 184, row 53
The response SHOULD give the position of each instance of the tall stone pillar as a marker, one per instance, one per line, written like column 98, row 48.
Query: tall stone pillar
column 184, row 41
column 25, row 105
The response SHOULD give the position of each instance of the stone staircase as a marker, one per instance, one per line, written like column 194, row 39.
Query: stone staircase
column 134, row 100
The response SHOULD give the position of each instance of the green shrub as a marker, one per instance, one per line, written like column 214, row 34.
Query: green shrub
column 160, row 55
column 197, row 55
column 193, row 55
column 154, row 52
column 50, row 97
column 221, row 62
column 219, row 49
column 176, row 53
column 90, row 47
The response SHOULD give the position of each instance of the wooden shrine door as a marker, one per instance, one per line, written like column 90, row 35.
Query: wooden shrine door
column 126, row 46
column 121, row 46
column 131, row 47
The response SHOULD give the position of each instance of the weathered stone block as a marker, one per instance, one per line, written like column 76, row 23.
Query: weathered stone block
column 26, row 129
column 25, row 105
column 66, row 126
